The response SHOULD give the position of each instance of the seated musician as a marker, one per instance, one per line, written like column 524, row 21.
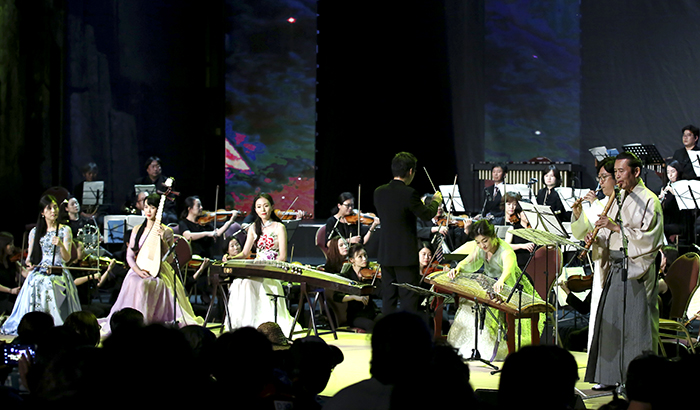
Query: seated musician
column 233, row 248
column 500, row 264
column 689, row 156
column 154, row 176
column 252, row 301
column 494, row 194
column 202, row 237
column 358, row 311
column 10, row 269
column 548, row 196
column 337, row 255
column 89, row 172
column 516, row 217
column 152, row 293
column 338, row 225
column 676, row 223
column 453, row 236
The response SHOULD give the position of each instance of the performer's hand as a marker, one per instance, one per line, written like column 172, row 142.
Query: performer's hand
column 577, row 207
column 437, row 197
column 590, row 197
column 55, row 240
column 142, row 273
column 234, row 215
column 443, row 230
column 375, row 223
column 15, row 291
column 498, row 286
column 452, row 273
column 363, row 299
column 159, row 230
column 355, row 239
column 605, row 222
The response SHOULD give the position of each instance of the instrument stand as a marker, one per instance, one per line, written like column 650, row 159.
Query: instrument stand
column 179, row 274
column 426, row 293
column 319, row 297
column 273, row 298
column 476, row 356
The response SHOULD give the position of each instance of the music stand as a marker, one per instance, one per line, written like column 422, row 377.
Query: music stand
column 544, row 238
column 648, row 154
column 542, row 217
column 115, row 228
column 93, row 193
column 147, row 188
column 455, row 203
column 688, row 198
column 569, row 195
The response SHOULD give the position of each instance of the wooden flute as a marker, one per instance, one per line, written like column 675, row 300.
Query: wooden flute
column 584, row 252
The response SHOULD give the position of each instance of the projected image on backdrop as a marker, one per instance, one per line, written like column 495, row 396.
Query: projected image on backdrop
column 270, row 102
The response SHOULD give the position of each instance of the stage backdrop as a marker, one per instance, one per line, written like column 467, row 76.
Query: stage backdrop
column 532, row 76
column 270, row 102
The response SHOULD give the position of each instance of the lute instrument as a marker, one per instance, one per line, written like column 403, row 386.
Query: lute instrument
column 149, row 257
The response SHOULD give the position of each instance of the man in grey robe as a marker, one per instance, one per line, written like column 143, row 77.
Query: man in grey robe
column 627, row 321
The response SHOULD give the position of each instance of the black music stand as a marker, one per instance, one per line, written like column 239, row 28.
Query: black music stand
column 688, row 199
column 648, row 154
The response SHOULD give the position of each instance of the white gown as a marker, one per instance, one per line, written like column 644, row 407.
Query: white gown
column 250, row 303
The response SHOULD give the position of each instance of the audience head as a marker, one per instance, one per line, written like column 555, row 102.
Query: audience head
column 312, row 361
column 33, row 325
column 84, row 324
column 126, row 319
column 396, row 338
column 547, row 367
column 243, row 361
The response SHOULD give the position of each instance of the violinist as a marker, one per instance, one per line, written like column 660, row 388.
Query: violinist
column 337, row 255
column 516, row 217
column 338, row 225
column 361, row 311
column 202, row 237
column 9, row 269
column 453, row 234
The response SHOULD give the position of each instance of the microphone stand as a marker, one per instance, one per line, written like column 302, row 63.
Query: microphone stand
column 624, row 273
column 177, row 264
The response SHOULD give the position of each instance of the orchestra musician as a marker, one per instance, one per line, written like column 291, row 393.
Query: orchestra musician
column 549, row 196
column 500, row 263
column 360, row 311
column 46, row 288
column 250, row 303
column 152, row 295
column 515, row 217
column 583, row 222
column 689, row 156
column 627, row 320
column 337, row 255
column 495, row 193
column 202, row 237
column 338, row 225
column 676, row 223
column 154, row 176
column 9, row 270
column 453, row 236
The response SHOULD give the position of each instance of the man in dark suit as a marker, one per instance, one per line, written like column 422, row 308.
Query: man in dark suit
column 494, row 194
column 688, row 155
column 398, row 205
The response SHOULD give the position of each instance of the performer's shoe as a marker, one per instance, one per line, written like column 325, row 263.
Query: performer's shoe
column 604, row 387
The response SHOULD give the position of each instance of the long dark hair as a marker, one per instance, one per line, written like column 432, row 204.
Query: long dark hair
column 334, row 260
column 189, row 203
column 41, row 228
column 273, row 215
column 341, row 199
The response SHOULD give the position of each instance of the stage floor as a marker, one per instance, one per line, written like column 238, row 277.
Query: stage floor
column 357, row 351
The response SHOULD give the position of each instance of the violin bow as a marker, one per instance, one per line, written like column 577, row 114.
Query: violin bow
column 359, row 210
column 216, row 204
column 291, row 205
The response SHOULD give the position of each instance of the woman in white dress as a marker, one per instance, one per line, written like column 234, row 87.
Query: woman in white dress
column 47, row 288
column 250, row 303
column 500, row 264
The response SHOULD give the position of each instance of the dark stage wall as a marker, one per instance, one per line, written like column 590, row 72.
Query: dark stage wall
column 117, row 81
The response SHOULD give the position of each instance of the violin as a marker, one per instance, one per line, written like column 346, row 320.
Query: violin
column 458, row 221
column 222, row 215
column 515, row 219
column 365, row 218
column 579, row 283
column 369, row 274
column 291, row 215
column 434, row 267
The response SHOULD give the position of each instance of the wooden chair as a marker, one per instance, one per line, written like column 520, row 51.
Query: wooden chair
column 544, row 268
column 682, row 281
column 321, row 240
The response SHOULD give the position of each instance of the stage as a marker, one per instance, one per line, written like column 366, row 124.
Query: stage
column 357, row 351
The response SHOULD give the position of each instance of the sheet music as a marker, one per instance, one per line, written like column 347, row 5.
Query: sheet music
column 687, row 194
column 568, row 197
